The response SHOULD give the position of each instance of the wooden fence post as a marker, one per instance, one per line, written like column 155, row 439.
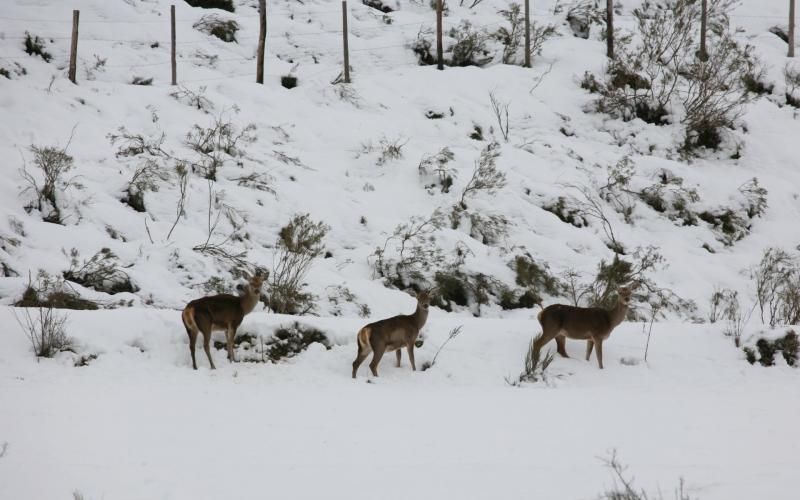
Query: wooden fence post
column 610, row 29
column 439, row 50
column 173, row 55
column 527, row 34
column 344, row 42
column 703, row 30
column 791, row 27
column 73, row 50
column 262, row 39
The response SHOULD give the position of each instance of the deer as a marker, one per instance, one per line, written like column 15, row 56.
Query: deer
column 592, row 324
column 392, row 334
column 220, row 312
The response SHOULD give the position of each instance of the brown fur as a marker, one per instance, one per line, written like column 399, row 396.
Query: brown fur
column 219, row 312
column 392, row 334
column 593, row 324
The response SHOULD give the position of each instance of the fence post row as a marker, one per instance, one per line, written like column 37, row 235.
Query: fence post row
column 173, row 53
column 527, row 34
column 262, row 39
column 344, row 43
column 73, row 50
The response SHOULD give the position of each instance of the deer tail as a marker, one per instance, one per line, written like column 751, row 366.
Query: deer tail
column 363, row 338
column 188, row 319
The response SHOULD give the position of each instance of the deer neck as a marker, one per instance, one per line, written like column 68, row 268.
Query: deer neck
column 618, row 312
column 249, row 301
column 420, row 316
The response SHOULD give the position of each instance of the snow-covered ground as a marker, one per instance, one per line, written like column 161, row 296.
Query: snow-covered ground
column 137, row 422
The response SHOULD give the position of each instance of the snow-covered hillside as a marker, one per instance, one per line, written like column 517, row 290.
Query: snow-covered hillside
column 138, row 423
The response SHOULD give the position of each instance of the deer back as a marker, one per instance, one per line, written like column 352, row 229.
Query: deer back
column 394, row 332
column 221, row 310
column 576, row 322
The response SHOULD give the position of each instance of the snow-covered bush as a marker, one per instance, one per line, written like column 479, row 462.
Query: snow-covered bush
column 512, row 37
column 35, row 46
column 50, row 182
column 658, row 78
column 791, row 78
column 289, row 341
column 299, row 243
column 625, row 489
column 387, row 149
column 46, row 330
column 101, row 272
column 582, row 14
column 224, row 29
column 49, row 291
column 213, row 4
column 195, row 99
column 439, row 165
column 141, row 80
column 410, row 254
column 536, row 366
column 468, row 47
column 777, row 282
column 765, row 350
column 222, row 141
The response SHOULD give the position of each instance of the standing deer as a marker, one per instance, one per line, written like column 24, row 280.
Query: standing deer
column 219, row 312
column 392, row 334
column 593, row 324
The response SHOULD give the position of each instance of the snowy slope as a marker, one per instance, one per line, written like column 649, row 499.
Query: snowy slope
column 138, row 423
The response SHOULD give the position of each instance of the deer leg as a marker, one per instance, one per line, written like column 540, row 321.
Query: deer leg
column 376, row 358
column 230, row 334
column 192, row 343
column 589, row 346
column 362, row 355
column 599, row 352
column 410, row 349
column 399, row 355
column 561, row 342
column 539, row 342
column 207, row 347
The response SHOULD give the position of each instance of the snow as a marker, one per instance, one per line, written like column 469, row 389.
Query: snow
column 138, row 423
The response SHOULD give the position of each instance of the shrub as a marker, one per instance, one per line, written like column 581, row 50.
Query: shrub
column 777, row 281
column 35, row 46
column 422, row 47
column 46, row 330
column 624, row 488
column 138, row 80
column 410, row 253
column 289, row 341
column 53, row 163
column 565, row 213
column 194, row 99
column 438, row 164
column 50, row 292
column 661, row 71
column 299, row 243
column 536, row 277
column 765, row 350
column 486, row 177
column 387, row 149
column 341, row 294
column 101, row 272
column 453, row 334
column 217, row 144
column 378, row 5
column 213, row 4
column 289, row 81
column 536, row 365
column 145, row 178
column 224, row 29
column 791, row 76
column 513, row 36
column 581, row 15
column 468, row 47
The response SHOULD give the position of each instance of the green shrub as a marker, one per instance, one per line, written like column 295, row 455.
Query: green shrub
column 213, row 4
column 35, row 46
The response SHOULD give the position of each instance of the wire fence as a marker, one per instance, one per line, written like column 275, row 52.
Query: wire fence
column 295, row 51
